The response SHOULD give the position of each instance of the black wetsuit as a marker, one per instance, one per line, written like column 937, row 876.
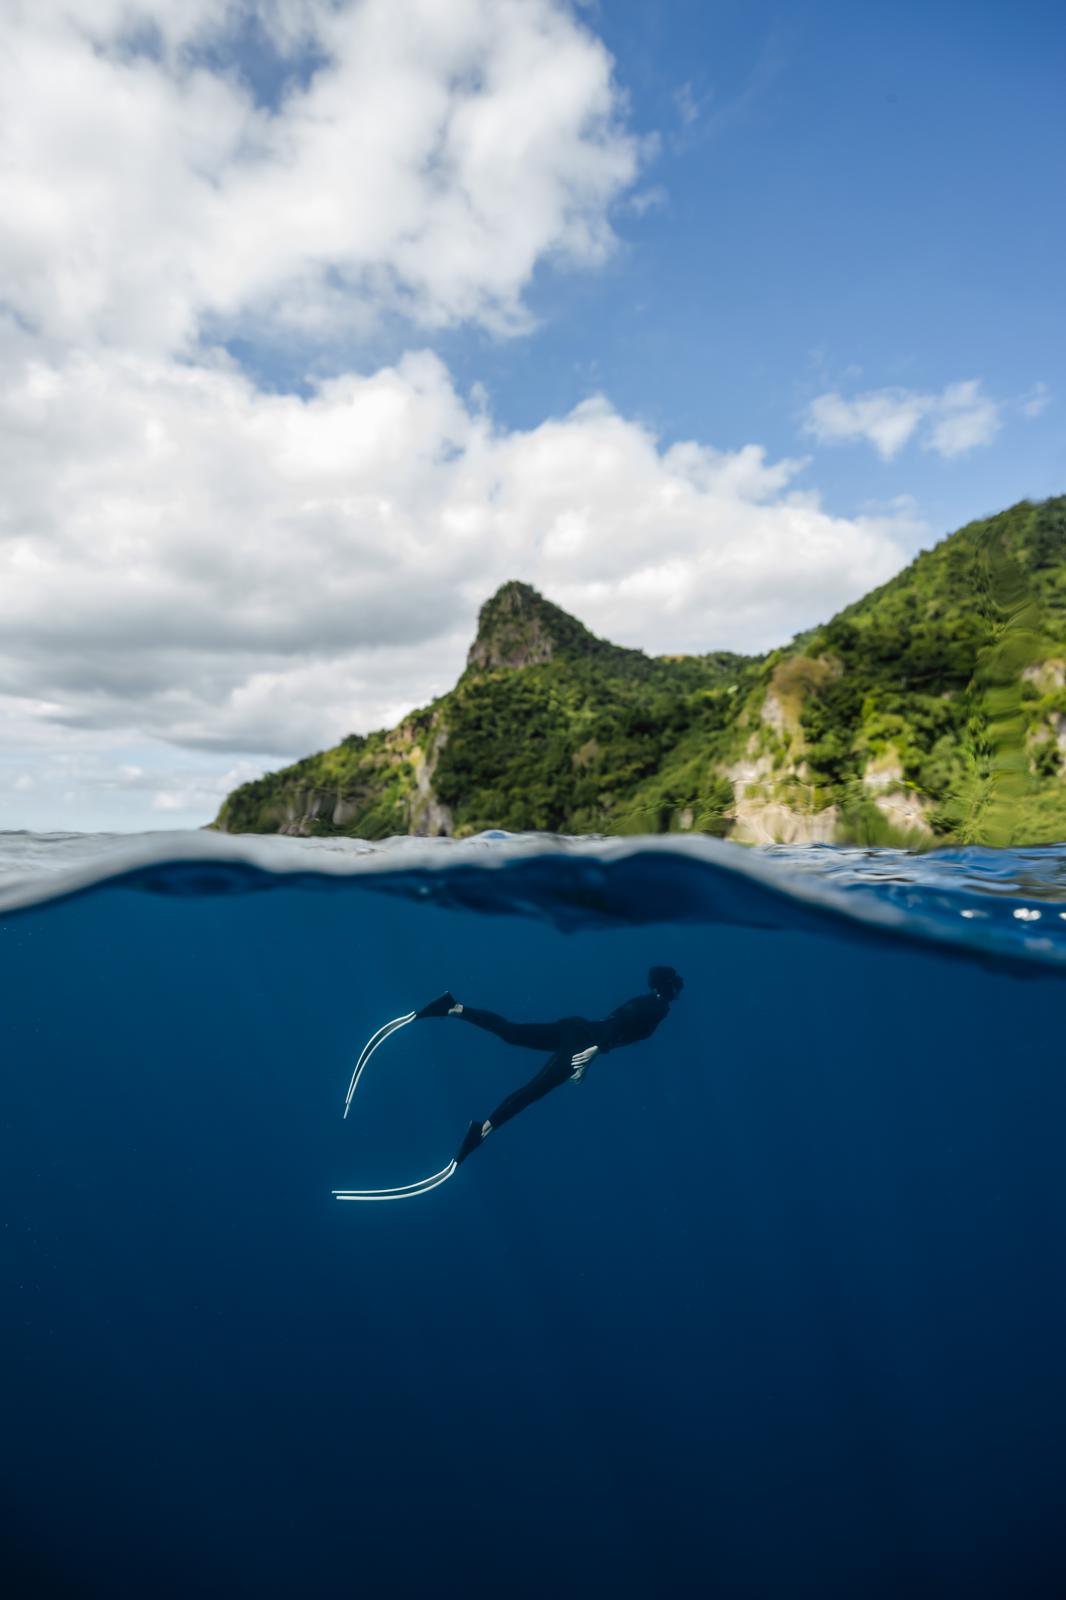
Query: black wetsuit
column 636, row 1019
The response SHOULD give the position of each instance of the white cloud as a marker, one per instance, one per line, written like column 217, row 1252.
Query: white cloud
column 887, row 418
column 958, row 419
column 962, row 420
column 219, row 568
column 144, row 196
column 197, row 576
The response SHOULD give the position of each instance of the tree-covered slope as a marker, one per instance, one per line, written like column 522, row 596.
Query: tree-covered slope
column 932, row 709
column 548, row 728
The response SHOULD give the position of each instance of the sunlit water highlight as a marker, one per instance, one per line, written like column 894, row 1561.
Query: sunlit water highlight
column 770, row 1304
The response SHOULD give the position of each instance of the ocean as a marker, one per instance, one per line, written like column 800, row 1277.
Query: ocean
column 771, row 1304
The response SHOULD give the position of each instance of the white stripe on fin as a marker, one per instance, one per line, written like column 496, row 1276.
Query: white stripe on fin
column 404, row 1191
column 384, row 1032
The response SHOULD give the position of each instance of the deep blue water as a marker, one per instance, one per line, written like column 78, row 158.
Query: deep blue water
column 771, row 1305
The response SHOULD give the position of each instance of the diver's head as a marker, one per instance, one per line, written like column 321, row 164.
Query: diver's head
column 666, row 983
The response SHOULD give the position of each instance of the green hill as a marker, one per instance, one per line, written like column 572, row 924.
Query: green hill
column 932, row 710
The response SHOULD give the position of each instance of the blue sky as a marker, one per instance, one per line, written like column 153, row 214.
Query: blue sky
column 866, row 196
column 838, row 197
column 319, row 320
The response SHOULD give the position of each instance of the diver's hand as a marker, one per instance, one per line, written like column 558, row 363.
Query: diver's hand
column 581, row 1060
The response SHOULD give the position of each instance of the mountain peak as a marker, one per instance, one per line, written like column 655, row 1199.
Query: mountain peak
column 517, row 628
column 933, row 710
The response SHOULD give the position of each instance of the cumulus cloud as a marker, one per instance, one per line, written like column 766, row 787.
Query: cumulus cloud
column 198, row 576
column 226, row 569
column 960, row 418
column 147, row 191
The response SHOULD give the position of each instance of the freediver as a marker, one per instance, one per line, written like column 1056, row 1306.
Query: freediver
column 573, row 1041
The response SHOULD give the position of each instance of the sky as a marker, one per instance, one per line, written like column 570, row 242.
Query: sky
column 320, row 319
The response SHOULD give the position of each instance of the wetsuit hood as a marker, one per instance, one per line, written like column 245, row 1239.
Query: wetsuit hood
column 666, row 982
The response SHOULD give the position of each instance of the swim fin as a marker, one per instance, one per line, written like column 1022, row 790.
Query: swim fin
column 438, row 1007
column 471, row 1139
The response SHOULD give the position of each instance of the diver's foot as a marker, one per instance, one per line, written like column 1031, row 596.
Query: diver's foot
column 471, row 1139
column 440, row 1007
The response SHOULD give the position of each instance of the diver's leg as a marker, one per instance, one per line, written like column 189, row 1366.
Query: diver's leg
column 557, row 1070
column 529, row 1035
column 554, row 1072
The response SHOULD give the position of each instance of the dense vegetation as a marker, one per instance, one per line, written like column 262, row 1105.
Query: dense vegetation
column 581, row 735
column 932, row 709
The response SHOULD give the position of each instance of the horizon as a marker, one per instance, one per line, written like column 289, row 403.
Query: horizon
column 320, row 321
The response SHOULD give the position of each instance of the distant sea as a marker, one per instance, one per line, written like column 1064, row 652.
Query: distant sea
column 772, row 1304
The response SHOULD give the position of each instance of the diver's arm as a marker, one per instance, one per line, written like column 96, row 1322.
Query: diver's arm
column 636, row 1020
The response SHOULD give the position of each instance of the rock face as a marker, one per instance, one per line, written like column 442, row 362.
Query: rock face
column 427, row 816
column 518, row 628
column 513, row 631
column 772, row 822
column 933, row 709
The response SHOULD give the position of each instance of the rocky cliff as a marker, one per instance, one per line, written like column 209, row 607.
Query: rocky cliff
column 933, row 709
